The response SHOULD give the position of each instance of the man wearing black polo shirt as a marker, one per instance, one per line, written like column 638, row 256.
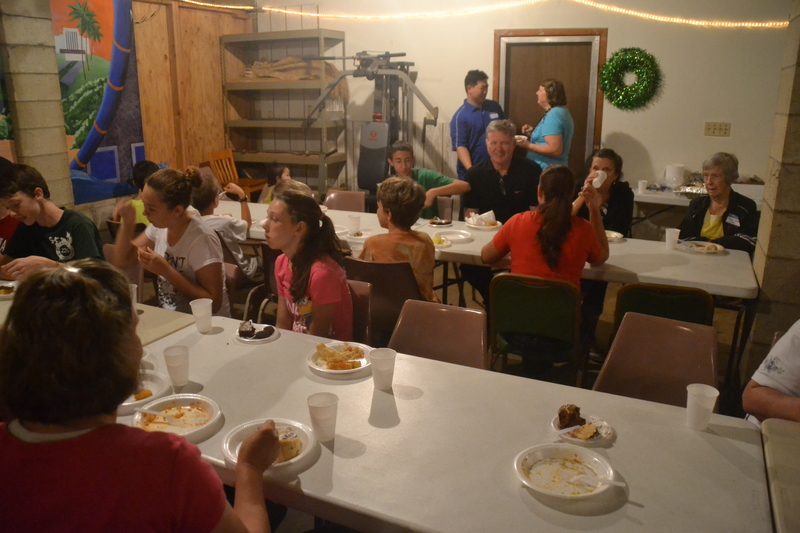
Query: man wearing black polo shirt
column 504, row 184
column 468, row 127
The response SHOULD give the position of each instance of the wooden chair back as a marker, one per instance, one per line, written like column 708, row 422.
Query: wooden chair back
column 223, row 167
column 361, row 292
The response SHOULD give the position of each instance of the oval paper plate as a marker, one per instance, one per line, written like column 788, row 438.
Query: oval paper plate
column 194, row 434
column 156, row 382
column 613, row 236
column 364, row 234
column 442, row 225
column 318, row 366
column 253, row 340
column 605, row 433
column 456, row 236
column 233, row 441
column 497, row 225
column 341, row 231
column 547, row 468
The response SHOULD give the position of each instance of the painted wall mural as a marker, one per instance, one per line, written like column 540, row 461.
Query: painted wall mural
column 100, row 95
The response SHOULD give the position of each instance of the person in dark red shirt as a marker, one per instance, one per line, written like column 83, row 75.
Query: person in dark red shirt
column 8, row 225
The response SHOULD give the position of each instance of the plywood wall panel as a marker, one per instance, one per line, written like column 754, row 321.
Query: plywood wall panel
column 151, row 38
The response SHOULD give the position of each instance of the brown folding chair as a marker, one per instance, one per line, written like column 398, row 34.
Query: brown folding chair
column 392, row 285
column 654, row 358
column 361, row 293
column 346, row 200
column 115, row 225
column 268, row 256
column 236, row 278
column 224, row 169
column 442, row 333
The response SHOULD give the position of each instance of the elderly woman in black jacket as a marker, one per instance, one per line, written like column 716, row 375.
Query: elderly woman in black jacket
column 723, row 216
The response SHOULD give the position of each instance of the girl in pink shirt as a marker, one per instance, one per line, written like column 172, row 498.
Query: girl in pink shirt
column 313, row 296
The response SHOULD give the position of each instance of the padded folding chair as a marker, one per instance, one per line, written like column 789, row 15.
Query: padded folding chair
column 115, row 225
column 392, row 285
column 224, row 169
column 361, row 292
column 236, row 278
column 654, row 358
column 442, row 332
column 346, row 200
column 134, row 272
column 537, row 319
column 678, row 303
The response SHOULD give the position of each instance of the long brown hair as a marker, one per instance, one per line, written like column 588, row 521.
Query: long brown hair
column 319, row 240
column 556, row 184
column 175, row 187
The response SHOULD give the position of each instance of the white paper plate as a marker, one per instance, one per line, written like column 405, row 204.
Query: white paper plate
column 319, row 367
column 605, row 433
column 456, row 236
column 554, row 464
column 158, row 384
column 341, row 231
column 520, row 138
column 445, row 244
column 233, row 441
column 252, row 340
column 192, row 434
column 701, row 247
column 485, row 228
column 364, row 234
column 324, row 208
column 613, row 236
column 8, row 284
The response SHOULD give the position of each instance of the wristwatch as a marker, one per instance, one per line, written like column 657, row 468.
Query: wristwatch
column 243, row 200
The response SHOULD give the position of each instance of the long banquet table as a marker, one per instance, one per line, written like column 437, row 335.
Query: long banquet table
column 436, row 453
column 632, row 260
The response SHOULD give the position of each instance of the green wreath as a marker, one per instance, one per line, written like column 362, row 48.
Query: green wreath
column 640, row 93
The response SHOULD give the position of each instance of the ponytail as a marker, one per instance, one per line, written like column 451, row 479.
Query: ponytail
column 556, row 183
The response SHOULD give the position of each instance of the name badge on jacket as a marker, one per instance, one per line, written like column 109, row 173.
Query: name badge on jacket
column 494, row 116
column 733, row 220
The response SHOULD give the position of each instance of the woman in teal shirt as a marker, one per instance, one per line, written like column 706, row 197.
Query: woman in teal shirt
column 550, row 140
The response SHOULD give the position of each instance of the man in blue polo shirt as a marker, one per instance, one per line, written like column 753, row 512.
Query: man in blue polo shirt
column 468, row 127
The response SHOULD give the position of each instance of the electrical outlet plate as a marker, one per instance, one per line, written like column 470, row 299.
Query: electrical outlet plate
column 718, row 129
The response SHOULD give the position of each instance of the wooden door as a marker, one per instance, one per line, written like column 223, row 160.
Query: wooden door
column 524, row 58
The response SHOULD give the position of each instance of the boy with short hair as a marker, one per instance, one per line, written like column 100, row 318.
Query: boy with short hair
column 399, row 202
column 401, row 159
column 47, row 235
column 205, row 199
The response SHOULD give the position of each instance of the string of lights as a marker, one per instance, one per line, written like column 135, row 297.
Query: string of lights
column 507, row 5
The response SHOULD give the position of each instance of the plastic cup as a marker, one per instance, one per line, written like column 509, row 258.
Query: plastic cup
column 322, row 407
column 642, row 186
column 700, row 402
column 353, row 223
column 177, row 360
column 672, row 238
column 382, row 362
column 444, row 206
column 134, row 293
column 201, row 310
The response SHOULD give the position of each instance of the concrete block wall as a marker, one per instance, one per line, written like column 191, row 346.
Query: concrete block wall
column 777, row 258
column 29, row 62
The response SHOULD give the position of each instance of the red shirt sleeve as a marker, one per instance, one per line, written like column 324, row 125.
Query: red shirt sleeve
column 503, row 236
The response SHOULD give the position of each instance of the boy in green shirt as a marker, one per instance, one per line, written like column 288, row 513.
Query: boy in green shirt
column 401, row 159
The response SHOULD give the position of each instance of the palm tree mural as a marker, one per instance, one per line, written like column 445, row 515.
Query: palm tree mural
column 120, row 53
column 88, row 27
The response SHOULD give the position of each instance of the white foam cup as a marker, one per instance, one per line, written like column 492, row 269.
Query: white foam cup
column 672, row 235
column 642, row 186
column 353, row 223
column 700, row 402
column 322, row 407
column 177, row 361
column 201, row 310
column 382, row 362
